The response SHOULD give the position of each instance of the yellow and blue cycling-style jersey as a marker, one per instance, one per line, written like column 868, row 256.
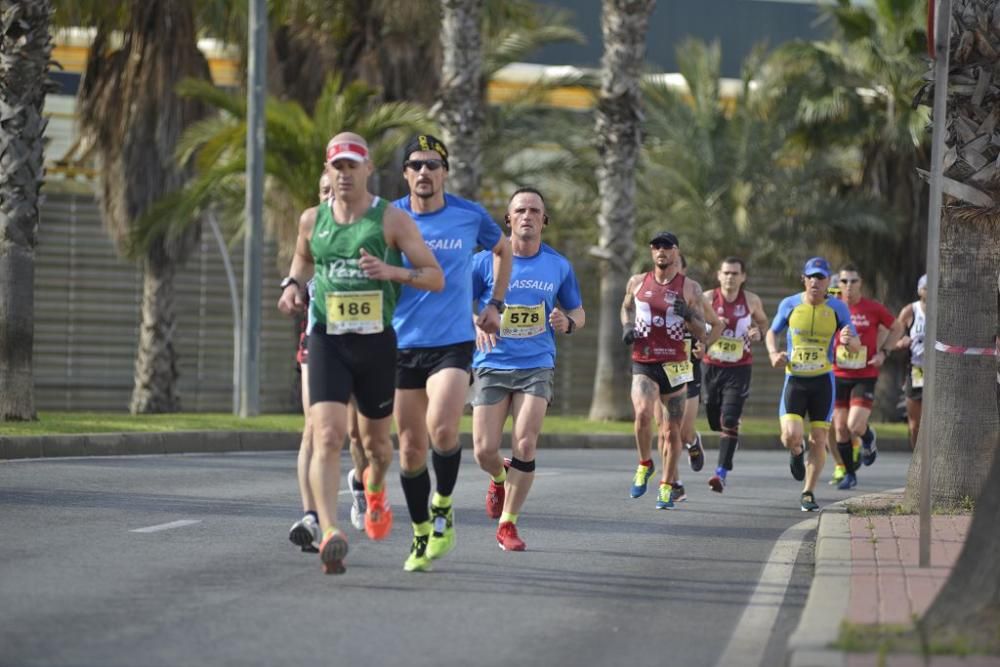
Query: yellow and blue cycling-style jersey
column 812, row 331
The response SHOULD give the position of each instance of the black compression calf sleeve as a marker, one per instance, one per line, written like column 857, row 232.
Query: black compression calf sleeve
column 847, row 455
column 417, row 491
column 727, row 447
column 446, row 469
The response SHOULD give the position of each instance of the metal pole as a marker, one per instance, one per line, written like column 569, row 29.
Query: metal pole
column 250, row 348
column 234, row 299
column 942, row 31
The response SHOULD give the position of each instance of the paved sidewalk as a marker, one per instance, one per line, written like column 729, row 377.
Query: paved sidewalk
column 867, row 574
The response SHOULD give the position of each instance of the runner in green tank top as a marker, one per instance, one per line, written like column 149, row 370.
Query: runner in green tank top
column 352, row 249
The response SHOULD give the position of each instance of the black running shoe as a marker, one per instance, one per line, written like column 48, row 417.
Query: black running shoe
column 797, row 464
column 696, row 454
column 809, row 502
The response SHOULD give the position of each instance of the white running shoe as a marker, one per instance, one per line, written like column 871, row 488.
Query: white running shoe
column 304, row 533
column 359, row 505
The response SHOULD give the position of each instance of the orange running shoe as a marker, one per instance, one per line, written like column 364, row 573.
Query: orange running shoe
column 378, row 516
column 507, row 538
column 332, row 552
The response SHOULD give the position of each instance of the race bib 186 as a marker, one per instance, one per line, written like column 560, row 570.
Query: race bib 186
column 354, row 312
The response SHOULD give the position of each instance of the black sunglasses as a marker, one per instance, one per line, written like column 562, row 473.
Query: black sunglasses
column 417, row 165
column 661, row 245
column 850, row 281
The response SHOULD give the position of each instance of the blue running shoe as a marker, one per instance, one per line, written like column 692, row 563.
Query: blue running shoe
column 641, row 479
column 849, row 482
column 665, row 501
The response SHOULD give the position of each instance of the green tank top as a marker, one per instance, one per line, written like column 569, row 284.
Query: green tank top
column 346, row 300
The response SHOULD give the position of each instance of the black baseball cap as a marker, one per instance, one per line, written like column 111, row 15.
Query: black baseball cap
column 664, row 237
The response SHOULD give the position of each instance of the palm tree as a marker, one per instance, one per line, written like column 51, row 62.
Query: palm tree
column 856, row 92
column 461, row 108
column 26, row 47
column 966, row 424
column 477, row 40
column 623, row 24
column 295, row 141
column 130, row 111
column 721, row 172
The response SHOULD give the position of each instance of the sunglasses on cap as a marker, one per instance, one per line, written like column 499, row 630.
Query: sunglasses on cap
column 417, row 165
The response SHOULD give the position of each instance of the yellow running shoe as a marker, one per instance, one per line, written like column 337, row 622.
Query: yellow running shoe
column 418, row 560
column 838, row 474
column 442, row 539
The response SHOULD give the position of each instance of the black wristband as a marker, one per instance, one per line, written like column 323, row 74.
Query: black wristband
column 572, row 325
column 498, row 304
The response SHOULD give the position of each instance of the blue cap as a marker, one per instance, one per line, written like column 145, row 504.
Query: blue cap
column 816, row 265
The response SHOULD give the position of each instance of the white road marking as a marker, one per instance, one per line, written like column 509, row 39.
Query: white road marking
column 749, row 641
column 166, row 526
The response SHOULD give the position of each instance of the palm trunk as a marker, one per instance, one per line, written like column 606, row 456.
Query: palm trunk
column 623, row 24
column 966, row 425
column 156, row 362
column 461, row 108
column 26, row 47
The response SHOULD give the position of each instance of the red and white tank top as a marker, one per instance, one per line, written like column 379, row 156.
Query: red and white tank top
column 659, row 333
column 733, row 347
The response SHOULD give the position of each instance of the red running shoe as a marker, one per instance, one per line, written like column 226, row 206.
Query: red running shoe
column 507, row 538
column 378, row 516
column 332, row 552
column 495, row 494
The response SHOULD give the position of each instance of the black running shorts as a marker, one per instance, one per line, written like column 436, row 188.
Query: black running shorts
column 694, row 387
column 655, row 372
column 855, row 391
column 414, row 365
column 727, row 385
column 360, row 364
column 808, row 398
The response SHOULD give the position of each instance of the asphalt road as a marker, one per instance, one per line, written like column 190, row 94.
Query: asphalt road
column 606, row 580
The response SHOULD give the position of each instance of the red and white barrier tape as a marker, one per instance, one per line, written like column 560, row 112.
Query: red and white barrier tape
column 969, row 351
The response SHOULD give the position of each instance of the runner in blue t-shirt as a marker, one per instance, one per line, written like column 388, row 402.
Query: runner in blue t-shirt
column 436, row 340
column 513, row 370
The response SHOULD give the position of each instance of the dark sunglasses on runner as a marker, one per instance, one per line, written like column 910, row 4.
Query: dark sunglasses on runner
column 661, row 245
column 850, row 281
column 417, row 165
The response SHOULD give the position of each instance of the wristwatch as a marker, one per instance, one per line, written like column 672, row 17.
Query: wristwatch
column 288, row 280
column 498, row 304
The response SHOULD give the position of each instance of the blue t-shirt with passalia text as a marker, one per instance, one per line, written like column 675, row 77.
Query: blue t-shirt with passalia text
column 434, row 319
column 537, row 284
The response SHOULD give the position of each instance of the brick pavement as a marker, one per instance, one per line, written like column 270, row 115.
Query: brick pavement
column 889, row 588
